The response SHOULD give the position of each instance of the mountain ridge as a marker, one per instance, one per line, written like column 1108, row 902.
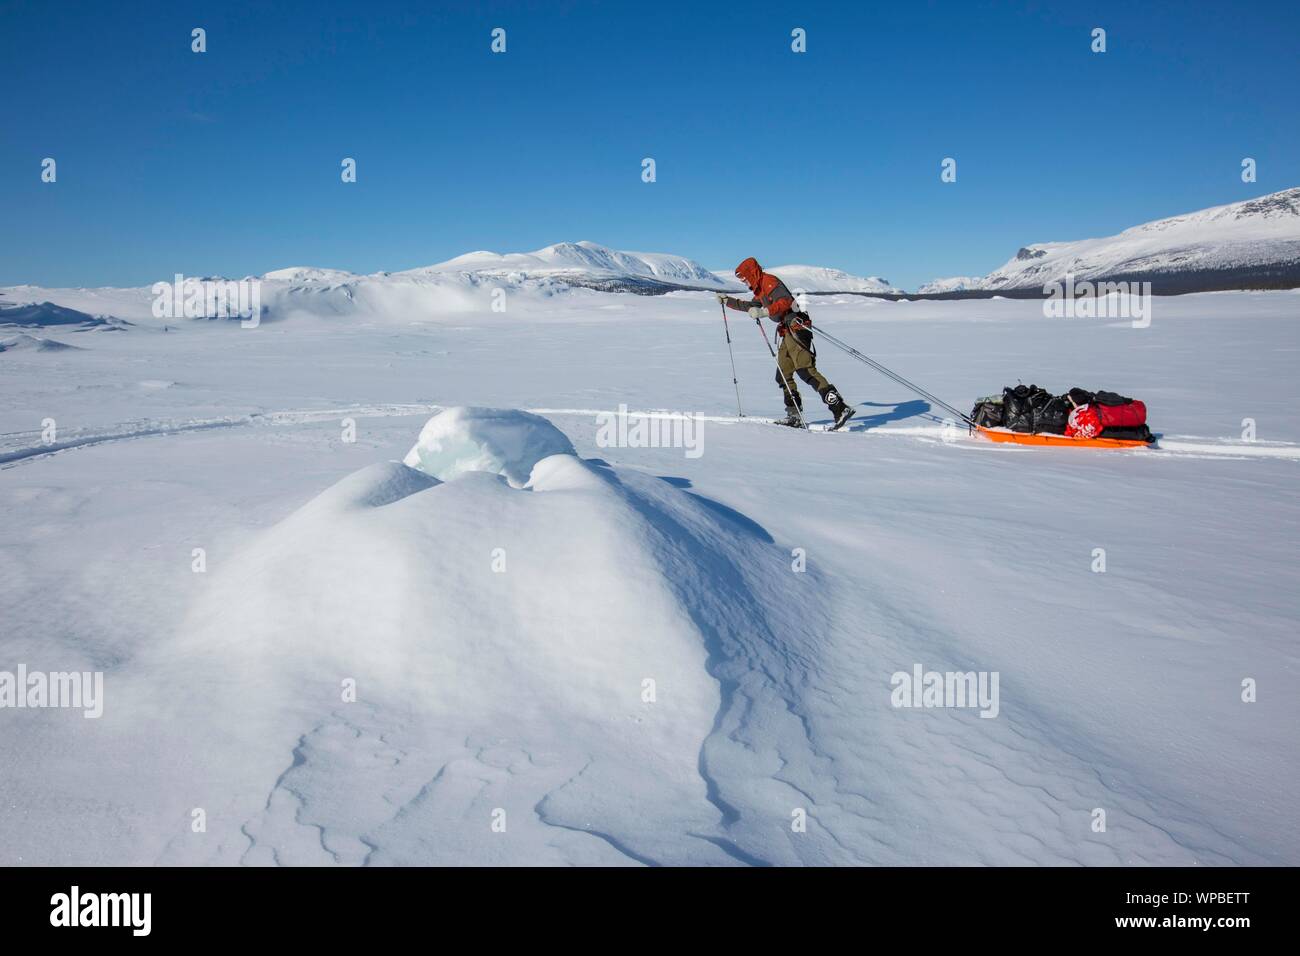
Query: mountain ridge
column 1252, row 243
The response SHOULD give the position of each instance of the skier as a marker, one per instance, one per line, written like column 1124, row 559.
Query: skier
column 796, row 355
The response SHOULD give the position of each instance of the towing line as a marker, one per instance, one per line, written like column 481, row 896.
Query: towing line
column 844, row 346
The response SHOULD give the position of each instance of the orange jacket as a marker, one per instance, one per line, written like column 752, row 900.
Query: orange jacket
column 769, row 293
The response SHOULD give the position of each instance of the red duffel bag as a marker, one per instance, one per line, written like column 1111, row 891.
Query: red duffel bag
column 1084, row 422
column 1123, row 416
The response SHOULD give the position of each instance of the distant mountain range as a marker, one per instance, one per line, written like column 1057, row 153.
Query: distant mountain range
column 1253, row 244
column 821, row 279
column 583, row 260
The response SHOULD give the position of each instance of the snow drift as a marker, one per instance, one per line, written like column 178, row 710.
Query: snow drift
column 34, row 343
column 46, row 314
column 552, row 654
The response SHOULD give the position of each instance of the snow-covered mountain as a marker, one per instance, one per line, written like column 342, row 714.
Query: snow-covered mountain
column 1249, row 244
column 817, row 279
column 461, row 285
column 951, row 284
column 585, row 262
column 823, row 279
column 309, row 274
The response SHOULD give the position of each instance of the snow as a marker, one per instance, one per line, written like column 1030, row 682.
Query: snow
column 499, row 609
column 493, row 440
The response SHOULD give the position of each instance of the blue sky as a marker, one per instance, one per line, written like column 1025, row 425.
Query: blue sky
column 228, row 162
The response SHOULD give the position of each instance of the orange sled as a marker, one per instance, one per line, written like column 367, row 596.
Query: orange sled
column 1023, row 438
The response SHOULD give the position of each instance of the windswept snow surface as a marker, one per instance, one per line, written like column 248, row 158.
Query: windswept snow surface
column 532, row 645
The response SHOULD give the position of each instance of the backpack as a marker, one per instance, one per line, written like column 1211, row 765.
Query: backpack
column 1135, row 433
column 1081, row 396
column 1052, row 416
column 1112, row 398
column 1017, row 407
column 1084, row 423
column 1128, row 415
column 987, row 413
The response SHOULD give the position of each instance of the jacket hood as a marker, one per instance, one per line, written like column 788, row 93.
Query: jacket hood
column 750, row 272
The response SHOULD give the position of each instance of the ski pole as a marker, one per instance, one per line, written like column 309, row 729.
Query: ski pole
column 726, row 327
column 785, row 383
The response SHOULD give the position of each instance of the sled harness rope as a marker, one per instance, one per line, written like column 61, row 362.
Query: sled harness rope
column 840, row 344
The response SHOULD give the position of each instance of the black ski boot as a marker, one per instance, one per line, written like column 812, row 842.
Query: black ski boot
column 839, row 408
column 792, row 418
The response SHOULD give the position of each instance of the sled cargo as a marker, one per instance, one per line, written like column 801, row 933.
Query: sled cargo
column 1027, row 438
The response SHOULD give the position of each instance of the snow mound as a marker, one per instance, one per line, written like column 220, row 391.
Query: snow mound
column 498, row 441
column 43, row 314
column 556, row 657
column 373, row 487
column 34, row 343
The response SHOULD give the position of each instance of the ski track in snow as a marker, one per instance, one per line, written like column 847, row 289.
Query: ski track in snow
column 17, row 447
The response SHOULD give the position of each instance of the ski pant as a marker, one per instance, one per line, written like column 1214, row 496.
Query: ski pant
column 795, row 359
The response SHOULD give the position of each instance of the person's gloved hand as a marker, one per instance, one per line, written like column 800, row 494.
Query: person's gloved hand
column 757, row 312
column 722, row 297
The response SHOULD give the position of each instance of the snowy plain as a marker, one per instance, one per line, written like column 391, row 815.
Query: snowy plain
column 516, row 693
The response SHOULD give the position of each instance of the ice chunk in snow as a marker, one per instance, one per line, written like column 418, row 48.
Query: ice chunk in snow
column 502, row 441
